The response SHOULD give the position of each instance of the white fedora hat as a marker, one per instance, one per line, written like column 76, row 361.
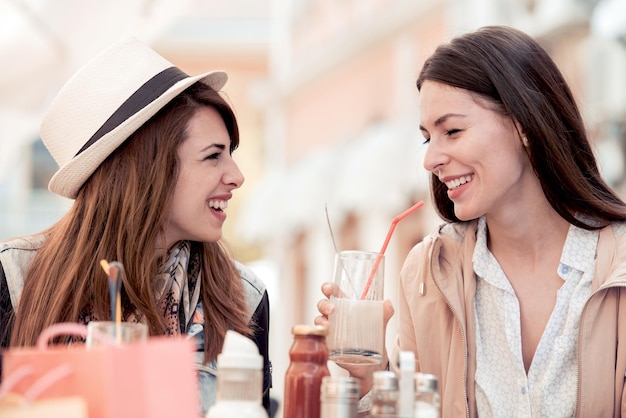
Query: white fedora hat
column 104, row 103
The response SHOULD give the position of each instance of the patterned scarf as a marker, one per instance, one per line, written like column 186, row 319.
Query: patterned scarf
column 177, row 292
column 178, row 288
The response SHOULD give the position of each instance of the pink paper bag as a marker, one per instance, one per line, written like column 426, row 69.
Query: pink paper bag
column 151, row 379
column 28, row 405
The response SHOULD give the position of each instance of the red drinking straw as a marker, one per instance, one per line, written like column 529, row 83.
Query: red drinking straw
column 382, row 250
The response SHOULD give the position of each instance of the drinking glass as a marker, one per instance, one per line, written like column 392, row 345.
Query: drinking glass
column 109, row 332
column 355, row 331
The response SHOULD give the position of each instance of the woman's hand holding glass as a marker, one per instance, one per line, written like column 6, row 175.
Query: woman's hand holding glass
column 363, row 372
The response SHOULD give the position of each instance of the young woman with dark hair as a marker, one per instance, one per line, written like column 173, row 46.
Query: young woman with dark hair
column 515, row 302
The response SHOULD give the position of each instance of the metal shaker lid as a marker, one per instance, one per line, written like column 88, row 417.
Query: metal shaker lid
column 426, row 383
column 385, row 380
column 344, row 387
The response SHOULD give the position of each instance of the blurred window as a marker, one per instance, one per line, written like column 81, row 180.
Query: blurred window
column 44, row 165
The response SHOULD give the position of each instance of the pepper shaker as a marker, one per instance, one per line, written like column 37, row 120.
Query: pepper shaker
column 339, row 397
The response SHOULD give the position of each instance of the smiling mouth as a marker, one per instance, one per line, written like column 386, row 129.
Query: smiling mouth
column 453, row 184
column 218, row 205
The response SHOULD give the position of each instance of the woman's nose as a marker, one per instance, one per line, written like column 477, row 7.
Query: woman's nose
column 233, row 175
column 434, row 157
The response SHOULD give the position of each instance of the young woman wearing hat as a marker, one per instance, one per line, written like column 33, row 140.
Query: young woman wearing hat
column 145, row 151
column 517, row 302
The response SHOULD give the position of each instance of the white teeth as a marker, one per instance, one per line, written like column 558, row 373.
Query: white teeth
column 218, row 204
column 453, row 184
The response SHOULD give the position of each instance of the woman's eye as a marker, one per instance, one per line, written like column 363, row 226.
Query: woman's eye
column 213, row 156
column 452, row 132
column 426, row 141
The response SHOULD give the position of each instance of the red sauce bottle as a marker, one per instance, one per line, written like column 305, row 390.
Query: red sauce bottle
column 303, row 379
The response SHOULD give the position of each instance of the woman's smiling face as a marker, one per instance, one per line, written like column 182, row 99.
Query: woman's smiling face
column 207, row 176
column 476, row 151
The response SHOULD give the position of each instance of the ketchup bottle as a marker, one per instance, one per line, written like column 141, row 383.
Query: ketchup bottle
column 303, row 379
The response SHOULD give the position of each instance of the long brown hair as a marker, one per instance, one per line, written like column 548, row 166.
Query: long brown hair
column 514, row 73
column 119, row 214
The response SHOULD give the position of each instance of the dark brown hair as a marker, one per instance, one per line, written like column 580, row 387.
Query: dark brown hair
column 119, row 214
column 513, row 72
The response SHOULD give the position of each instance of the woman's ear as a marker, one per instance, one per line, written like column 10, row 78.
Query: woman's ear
column 525, row 141
column 522, row 134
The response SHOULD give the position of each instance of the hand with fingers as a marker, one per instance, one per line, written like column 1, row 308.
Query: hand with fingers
column 363, row 372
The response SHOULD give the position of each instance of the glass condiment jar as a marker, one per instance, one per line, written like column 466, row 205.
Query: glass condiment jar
column 308, row 366
column 339, row 397
column 385, row 395
column 426, row 396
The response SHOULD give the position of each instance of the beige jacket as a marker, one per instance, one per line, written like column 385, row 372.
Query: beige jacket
column 436, row 321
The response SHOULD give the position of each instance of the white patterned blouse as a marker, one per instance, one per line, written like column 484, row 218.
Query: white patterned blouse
column 503, row 389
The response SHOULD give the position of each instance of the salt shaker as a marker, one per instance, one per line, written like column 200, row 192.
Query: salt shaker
column 426, row 396
column 339, row 397
column 385, row 395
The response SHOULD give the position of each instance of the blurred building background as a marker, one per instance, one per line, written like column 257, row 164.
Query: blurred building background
column 325, row 94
